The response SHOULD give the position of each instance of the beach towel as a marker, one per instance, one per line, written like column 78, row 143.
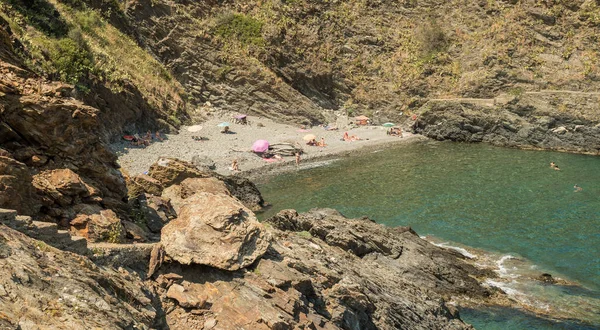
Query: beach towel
column 302, row 130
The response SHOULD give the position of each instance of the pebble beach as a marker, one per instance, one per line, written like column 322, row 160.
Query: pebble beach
column 224, row 148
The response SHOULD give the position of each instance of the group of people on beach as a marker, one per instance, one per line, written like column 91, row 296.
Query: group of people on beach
column 556, row 168
column 146, row 139
column 316, row 143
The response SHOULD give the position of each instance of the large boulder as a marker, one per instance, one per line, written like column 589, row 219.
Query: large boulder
column 148, row 184
column 177, row 194
column 215, row 230
column 246, row 191
column 192, row 186
column 98, row 225
column 170, row 171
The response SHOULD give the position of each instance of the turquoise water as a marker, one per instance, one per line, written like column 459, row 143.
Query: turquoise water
column 505, row 201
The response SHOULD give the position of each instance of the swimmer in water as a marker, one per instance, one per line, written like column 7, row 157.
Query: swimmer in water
column 577, row 188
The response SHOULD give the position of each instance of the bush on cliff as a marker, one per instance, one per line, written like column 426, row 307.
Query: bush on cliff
column 245, row 29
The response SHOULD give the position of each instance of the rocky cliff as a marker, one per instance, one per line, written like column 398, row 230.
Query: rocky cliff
column 216, row 266
column 149, row 64
column 551, row 120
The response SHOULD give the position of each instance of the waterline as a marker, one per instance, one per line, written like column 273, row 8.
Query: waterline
column 506, row 201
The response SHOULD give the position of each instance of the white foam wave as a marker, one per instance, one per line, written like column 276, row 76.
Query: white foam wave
column 462, row 251
column 504, row 287
column 505, row 271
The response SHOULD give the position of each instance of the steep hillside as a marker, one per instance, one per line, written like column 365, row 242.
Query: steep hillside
column 289, row 60
column 369, row 56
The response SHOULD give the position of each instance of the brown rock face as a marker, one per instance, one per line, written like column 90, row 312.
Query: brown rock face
column 148, row 184
column 177, row 194
column 324, row 271
column 45, row 288
column 182, row 179
column 169, row 171
column 192, row 186
column 16, row 191
column 215, row 230
column 101, row 226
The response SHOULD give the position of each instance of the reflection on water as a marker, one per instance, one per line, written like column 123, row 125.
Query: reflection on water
column 506, row 201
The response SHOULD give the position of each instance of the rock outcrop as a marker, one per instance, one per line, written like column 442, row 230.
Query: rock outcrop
column 42, row 287
column 176, row 179
column 214, row 230
column 323, row 271
column 16, row 190
column 544, row 120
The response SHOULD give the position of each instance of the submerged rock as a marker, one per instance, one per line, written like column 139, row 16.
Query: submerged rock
column 215, row 230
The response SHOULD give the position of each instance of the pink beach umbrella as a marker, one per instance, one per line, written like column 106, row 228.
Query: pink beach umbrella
column 260, row 146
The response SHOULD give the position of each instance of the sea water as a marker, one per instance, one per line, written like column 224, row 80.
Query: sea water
column 506, row 208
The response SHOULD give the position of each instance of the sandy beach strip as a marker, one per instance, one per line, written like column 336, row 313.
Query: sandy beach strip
column 224, row 148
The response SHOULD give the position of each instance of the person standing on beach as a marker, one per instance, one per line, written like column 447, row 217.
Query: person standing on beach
column 297, row 159
column 234, row 166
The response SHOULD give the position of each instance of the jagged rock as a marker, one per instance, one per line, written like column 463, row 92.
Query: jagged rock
column 149, row 184
column 215, row 230
column 314, row 282
column 135, row 232
column 155, row 211
column 177, row 194
column 16, row 190
column 360, row 237
column 204, row 163
column 532, row 120
column 98, row 227
column 192, row 186
column 246, row 191
column 62, row 186
column 186, row 299
column 170, row 171
column 173, row 172
column 45, row 288
column 66, row 182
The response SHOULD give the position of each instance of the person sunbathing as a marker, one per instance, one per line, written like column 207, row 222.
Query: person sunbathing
column 322, row 143
column 312, row 142
column 138, row 141
column 225, row 130
column 157, row 136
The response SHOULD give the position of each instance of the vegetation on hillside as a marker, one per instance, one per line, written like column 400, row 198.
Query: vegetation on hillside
column 69, row 41
column 387, row 57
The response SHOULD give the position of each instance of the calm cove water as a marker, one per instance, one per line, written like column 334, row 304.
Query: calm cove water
column 505, row 207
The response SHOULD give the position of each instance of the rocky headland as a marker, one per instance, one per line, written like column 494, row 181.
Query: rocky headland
column 216, row 266
column 84, row 244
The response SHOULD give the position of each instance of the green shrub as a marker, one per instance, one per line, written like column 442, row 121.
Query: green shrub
column 71, row 61
column 115, row 233
column 88, row 20
column 245, row 29
column 432, row 39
